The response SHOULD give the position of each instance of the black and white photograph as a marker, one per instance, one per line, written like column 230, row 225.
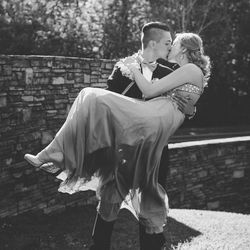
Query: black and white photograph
column 124, row 125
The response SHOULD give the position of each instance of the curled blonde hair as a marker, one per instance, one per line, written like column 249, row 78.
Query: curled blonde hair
column 193, row 45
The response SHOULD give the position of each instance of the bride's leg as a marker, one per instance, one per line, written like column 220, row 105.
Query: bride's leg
column 54, row 151
column 68, row 146
column 47, row 159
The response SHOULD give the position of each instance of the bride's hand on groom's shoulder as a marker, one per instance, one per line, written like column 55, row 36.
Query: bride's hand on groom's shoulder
column 127, row 66
column 129, row 60
column 131, row 63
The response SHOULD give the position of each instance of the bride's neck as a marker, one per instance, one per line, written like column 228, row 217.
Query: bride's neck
column 183, row 62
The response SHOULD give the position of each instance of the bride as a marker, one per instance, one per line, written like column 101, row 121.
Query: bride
column 112, row 143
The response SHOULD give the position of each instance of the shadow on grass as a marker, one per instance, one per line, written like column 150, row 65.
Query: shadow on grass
column 177, row 232
column 68, row 230
column 71, row 230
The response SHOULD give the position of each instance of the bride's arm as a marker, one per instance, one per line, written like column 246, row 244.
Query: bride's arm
column 187, row 73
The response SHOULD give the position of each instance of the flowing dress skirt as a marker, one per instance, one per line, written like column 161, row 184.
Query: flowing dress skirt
column 112, row 144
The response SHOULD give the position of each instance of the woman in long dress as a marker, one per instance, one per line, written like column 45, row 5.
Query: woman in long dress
column 112, row 144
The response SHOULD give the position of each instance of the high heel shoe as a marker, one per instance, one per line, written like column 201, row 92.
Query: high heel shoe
column 48, row 167
column 33, row 160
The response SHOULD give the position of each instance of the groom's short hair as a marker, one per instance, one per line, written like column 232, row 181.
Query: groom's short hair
column 153, row 31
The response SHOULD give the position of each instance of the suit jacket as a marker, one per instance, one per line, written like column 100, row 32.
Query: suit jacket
column 118, row 83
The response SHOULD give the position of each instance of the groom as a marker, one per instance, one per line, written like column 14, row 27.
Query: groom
column 156, row 43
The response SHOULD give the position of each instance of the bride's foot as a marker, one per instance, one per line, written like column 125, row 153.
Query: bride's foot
column 46, row 165
column 33, row 160
column 51, row 168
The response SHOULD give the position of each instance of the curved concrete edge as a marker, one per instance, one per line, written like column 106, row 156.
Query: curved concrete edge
column 209, row 141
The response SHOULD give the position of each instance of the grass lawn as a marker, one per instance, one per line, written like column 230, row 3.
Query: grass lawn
column 71, row 230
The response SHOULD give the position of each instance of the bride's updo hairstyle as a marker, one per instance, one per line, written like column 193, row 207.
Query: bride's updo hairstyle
column 193, row 48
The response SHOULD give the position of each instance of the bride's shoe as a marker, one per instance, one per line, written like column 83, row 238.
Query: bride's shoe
column 48, row 166
column 33, row 160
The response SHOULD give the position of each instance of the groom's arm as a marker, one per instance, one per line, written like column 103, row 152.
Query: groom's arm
column 116, row 81
column 119, row 83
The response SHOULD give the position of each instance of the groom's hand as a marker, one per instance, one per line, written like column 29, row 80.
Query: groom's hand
column 185, row 105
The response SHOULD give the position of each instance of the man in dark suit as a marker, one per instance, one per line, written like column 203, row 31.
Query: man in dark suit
column 156, row 42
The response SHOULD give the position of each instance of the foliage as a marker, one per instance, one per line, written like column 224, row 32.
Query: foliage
column 122, row 27
column 111, row 29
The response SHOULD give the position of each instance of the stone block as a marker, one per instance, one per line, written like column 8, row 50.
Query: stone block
column 229, row 161
column 58, row 80
column 38, row 105
column 239, row 173
column 105, row 76
column 44, row 70
column 76, row 70
column 213, row 205
column 51, row 113
column 80, row 80
column 98, row 85
column 55, row 208
column 23, row 205
column 27, row 98
column 36, row 63
column 95, row 64
column 36, row 135
column 93, row 79
column 49, row 64
column 241, row 148
column 202, row 173
column 109, row 66
column 47, row 137
column 21, row 63
column 95, row 72
column 69, row 81
column 3, row 61
column 85, row 66
column 42, row 205
column 39, row 99
column 7, row 70
column 173, row 171
column 86, row 79
column 60, row 106
column 102, row 81
column 3, row 101
column 19, row 75
column 193, row 157
column 70, row 76
column 219, row 152
column 28, row 76
column 58, row 101
column 59, row 71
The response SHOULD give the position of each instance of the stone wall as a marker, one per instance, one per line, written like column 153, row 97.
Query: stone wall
column 211, row 174
column 36, row 93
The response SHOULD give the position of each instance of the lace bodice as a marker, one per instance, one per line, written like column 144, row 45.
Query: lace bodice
column 190, row 88
column 187, row 87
